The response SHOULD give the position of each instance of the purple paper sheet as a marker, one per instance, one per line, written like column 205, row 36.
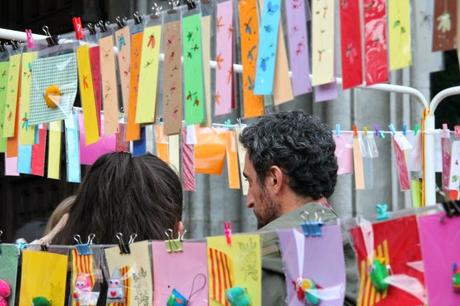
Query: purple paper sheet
column 326, row 92
column 105, row 144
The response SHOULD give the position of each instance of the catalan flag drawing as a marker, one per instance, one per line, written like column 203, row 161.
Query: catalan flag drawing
column 221, row 275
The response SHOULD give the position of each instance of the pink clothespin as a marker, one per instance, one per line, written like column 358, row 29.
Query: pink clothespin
column 228, row 232
column 30, row 39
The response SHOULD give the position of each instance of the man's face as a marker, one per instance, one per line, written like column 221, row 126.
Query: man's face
column 259, row 196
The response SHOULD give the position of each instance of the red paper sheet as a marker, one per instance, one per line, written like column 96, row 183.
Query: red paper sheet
column 96, row 74
column 38, row 154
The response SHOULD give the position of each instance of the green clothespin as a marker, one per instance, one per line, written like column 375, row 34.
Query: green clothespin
column 416, row 128
column 174, row 245
column 228, row 124
column 382, row 211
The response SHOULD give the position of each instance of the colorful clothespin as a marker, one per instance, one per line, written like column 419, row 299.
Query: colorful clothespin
column 84, row 248
column 416, row 128
column 404, row 129
column 311, row 228
column 78, row 28
column 174, row 245
column 228, row 124
column 124, row 247
column 21, row 244
column 378, row 132
column 365, row 130
column 30, row 39
column 379, row 272
column 355, row 130
column 392, row 129
column 238, row 296
column 455, row 278
column 382, row 211
column 228, row 232
column 337, row 129
column 457, row 131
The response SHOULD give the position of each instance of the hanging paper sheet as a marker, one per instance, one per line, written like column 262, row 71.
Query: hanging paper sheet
column 172, row 78
column 3, row 90
column 350, row 39
column 122, row 145
column 72, row 148
column 24, row 159
column 323, row 42
column 38, row 153
column 190, row 264
column 375, row 41
column 282, row 88
column 396, row 243
column 253, row 105
column 298, row 46
column 414, row 159
column 326, row 92
column 241, row 158
column 26, row 131
column 235, row 265
column 133, row 129
column 123, row 42
column 140, row 146
column 268, row 43
column 12, row 96
column 88, row 101
column 173, row 152
column 446, row 160
column 109, row 85
column 94, row 58
column 138, row 274
column 401, row 163
column 444, row 25
column 310, row 258
column 9, row 269
column 209, row 151
column 440, row 248
column 54, row 79
column 149, row 139
column 454, row 180
column 193, row 70
column 232, row 160
column 90, row 153
column 11, row 166
column 344, row 153
column 206, row 43
column 43, row 275
column 399, row 33
column 54, row 150
column 416, row 193
column 358, row 164
column 161, row 143
column 148, row 75
column 188, row 163
column 12, row 142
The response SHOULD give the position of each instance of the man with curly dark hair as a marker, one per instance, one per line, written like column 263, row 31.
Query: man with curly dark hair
column 291, row 168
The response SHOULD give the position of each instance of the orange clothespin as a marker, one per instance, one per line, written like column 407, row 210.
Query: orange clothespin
column 355, row 130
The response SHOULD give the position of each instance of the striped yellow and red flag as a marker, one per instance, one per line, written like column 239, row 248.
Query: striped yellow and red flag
column 220, row 275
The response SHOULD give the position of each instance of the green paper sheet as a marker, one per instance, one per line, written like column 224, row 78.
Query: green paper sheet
column 26, row 131
column 193, row 70
column 9, row 268
column 11, row 102
column 3, row 89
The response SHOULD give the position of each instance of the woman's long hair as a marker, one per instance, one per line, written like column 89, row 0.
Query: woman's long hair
column 126, row 194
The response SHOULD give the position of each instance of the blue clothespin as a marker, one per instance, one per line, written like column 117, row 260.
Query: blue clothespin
column 311, row 228
column 392, row 129
column 237, row 296
column 416, row 128
column 404, row 129
column 382, row 211
column 337, row 129
column 84, row 248
column 21, row 244
column 378, row 132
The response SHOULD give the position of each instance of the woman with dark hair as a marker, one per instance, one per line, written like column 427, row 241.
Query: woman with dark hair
column 126, row 194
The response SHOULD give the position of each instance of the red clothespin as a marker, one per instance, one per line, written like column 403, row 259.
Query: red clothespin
column 355, row 130
column 457, row 131
column 228, row 232
column 78, row 28
column 30, row 39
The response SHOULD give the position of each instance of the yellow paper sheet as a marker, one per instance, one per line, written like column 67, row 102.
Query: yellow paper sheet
column 322, row 51
column 148, row 75
column 239, row 262
column 173, row 152
column 26, row 132
column 416, row 190
column 232, row 161
column 358, row 164
column 12, row 96
column 241, row 158
column 54, row 150
column 43, row 274
column 206, row 50
column 87, row 95
column 399, row 33
column 282, row 87
column 139, row 269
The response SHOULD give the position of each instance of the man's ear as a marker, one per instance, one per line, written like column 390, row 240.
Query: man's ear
column 275, row 179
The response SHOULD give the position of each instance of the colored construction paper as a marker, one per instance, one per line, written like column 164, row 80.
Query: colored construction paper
column 72, row 148
column 4, row 66
column 253, row 105
column 43, row 274
column 26, row 131
column 446, row 146
column 139, row 271
column 399, row 33
column 172, row 78
column 150, row 139
column 401, row 165
column 54, row 150
column 122, row 145
column 282, row 87
column 268, row 40
column 375, row 41
column 323, row 42
column 61, row 71
column 161, row 143
column 397, row 242
column 95, row 61
column 109, row 85
column 190, row 264
column 414, row 159
column 314, row 258
column 12, row 142
column 350, row 42
column 224, row 58
column 238, row 264
column 11, row 102
column 440, row 248
column 209, row 151
column 416, row 193
column 38, row 153
column 11, row 166
column 358, row 164
column 193, row 70
column 133, row 128
column 241, row 158
column 173, row 152
column 88, row 101
column 326, row 92
column 148, row 74
column 9, row 269
column 139, row 146
column 344, row 153
column 188, row 164
column 206, row 43
column 444, row 25
column 24, row 159
column 454, row 180
column 299, row 57
column 123, row 43
column 90, row 153
column 232, row 160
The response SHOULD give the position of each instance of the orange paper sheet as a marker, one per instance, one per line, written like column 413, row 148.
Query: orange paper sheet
column 232, row 160
column 133, row 130
column 12, row 142
column 209, row 151
column 282, row 87
column 161, row 142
